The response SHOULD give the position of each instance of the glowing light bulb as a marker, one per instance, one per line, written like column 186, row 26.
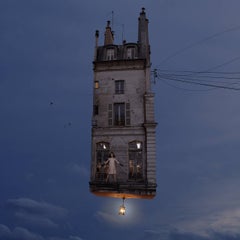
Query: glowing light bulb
column 122, row 209
column 138, row 145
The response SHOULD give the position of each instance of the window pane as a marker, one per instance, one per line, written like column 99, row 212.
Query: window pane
column 135, row 161
column 130, row 52
column 119, row 114
column 110, row 54
column 119, row 87
column 96, row 84
column 101, row 157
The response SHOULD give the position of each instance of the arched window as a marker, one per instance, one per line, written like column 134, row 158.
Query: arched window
column 135, row 169
column 102, row 152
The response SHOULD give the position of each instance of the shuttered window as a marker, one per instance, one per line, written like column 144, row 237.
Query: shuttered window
column 119, row 114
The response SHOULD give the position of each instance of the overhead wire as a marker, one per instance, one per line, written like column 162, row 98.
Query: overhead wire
column 199, row 42
column 199, row 81
column 205, row 77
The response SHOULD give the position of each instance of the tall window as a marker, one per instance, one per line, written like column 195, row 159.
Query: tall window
column 119, row 114
column 119, row 87
column 135, row 160
column 110, row 54
column 102, row 153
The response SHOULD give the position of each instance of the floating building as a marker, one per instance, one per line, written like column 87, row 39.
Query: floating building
column 123, row 120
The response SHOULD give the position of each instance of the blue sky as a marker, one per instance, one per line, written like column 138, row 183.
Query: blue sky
column 46, row 54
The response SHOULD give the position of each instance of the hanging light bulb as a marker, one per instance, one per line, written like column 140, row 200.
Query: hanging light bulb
column 122, row 208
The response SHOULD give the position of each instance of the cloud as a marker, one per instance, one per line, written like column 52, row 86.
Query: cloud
column 40, row 215
column 223, row 222
column 4, row 231
column 75, row 238
column 24, row 234
column 30, row 206
column 36, row 220
column 176, row 234
column 79, row 170
column 69, row 238
column 110, row 218
column 20, row 233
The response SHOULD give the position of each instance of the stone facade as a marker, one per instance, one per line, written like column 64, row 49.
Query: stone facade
column 123, row 116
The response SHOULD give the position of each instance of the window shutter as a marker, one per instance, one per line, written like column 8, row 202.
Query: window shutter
column 110, row 120
column 128, row 120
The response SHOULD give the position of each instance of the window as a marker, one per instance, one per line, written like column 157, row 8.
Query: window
column 96, row 84
column 102, row 152
column 130, row 52
column 110, row 54
column 135, row 170
column 119, row 87
column 119, row 114
column 95, row 109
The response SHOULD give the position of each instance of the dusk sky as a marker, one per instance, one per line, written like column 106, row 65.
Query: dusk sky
column 46, row 83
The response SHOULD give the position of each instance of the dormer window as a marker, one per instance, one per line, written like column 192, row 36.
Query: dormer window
column 130, row 52
column 110, row 54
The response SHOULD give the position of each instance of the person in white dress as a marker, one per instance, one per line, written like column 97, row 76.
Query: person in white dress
column 112, row 171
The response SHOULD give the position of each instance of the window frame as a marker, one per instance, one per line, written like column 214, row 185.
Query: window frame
column 110, row 54
column 135, row 161
column 119, row 114
column 102, row 152
column 119, row 87
column 130, row 52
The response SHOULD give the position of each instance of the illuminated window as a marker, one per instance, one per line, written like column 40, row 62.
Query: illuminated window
column 102, row 153
column 135, row 171
column 96, row 84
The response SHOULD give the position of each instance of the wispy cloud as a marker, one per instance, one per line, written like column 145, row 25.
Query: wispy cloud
column 20, row 233
column 32, row 213
column 36, row 220
column 4, row 231
column 30, row 206
column 224, row 222
column 78, row 169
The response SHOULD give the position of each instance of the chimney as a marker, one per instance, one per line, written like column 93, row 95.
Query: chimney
column 143, row 35
column 96, row 44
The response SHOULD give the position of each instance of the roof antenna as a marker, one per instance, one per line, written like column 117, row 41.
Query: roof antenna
column 112, row 20
column 123, row 32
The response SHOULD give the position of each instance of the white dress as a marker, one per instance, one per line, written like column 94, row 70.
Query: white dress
column 112, row 165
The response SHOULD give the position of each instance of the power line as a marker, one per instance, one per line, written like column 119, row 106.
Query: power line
column 197, row 82
column 198, row 43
